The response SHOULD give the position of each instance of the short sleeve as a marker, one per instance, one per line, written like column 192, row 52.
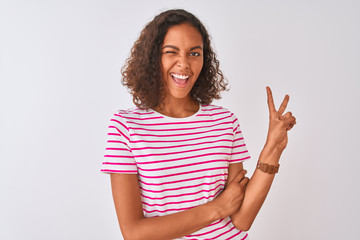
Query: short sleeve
column 118, row 156
column 239, row 151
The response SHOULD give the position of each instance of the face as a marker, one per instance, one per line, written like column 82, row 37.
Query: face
column 181, row 60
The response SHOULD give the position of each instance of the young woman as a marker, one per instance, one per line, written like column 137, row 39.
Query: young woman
column 176, row 161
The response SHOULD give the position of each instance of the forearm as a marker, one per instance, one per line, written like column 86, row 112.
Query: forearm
column 256, row 190
column 174, row 225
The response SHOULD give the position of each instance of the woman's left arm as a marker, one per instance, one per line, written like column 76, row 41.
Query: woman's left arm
column 260, row 182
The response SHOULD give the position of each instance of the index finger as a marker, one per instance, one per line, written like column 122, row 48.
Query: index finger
column 270, row 100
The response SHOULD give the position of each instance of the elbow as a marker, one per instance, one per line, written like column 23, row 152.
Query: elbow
column 128, row 235
column 243, row 228
column 242, row 225
column 131, row 234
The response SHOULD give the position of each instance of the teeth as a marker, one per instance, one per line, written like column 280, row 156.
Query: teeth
column 180, row 76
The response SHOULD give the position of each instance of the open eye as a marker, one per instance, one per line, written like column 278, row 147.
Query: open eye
column 195, row 54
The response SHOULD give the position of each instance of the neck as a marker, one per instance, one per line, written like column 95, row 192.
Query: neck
column 178, row 108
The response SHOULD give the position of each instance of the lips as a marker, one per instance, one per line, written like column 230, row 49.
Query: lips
column 179, row 79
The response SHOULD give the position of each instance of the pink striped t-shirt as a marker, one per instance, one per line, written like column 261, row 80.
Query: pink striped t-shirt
column 181, row 163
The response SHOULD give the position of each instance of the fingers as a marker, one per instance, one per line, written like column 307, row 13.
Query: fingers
column 239, row 176
column 271, row 104
column 287, row 115
column 270, row 100
column 244, row 182
column 283, row 104
column 241, row 179
column 289, row 122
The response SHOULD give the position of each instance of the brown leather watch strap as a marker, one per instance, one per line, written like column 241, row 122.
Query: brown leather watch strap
column 268, row 168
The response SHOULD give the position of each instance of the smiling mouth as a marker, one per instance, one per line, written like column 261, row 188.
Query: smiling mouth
column 180, row 80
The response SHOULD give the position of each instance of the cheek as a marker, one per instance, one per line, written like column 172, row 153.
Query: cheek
column 166, row 64
column 199, row 67
column 163, row 67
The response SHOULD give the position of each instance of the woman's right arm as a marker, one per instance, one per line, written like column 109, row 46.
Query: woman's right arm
column 133, row 224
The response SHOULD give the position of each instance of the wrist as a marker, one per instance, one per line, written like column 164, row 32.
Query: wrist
column 270, row 154
column 217, row 210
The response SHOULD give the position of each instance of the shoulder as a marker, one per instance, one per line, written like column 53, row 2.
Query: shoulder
column 213, row 109
column 133, row 113
column 123, row 116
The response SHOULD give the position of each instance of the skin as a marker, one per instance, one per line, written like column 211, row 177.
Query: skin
column 182, row 54
column 233, row 202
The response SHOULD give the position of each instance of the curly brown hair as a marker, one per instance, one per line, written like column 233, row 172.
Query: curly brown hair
column 142, row 70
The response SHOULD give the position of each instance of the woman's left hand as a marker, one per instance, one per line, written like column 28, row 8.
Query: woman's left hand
column 279, row 124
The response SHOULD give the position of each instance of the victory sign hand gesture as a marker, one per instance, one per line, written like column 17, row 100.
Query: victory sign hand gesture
column 279, row 124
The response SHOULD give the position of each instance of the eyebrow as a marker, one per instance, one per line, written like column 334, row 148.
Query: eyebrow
column 176, row 48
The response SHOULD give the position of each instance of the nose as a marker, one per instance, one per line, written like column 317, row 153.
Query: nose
column 183, row 62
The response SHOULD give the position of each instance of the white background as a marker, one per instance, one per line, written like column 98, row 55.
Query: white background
column 60, row 84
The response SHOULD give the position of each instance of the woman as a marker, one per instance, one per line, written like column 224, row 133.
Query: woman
column 176, row 161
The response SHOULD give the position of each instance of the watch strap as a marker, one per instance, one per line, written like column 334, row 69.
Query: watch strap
column 271, row 169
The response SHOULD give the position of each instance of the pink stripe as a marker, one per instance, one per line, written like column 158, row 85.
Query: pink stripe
column 168, row 210
column 237, row 235
column 175, row 189
column 118, row 149
column 180, row 202
column 238, row 146
column 205, row 233
column 178, row 129
column 234, row 153
column 180, row 166
column 183, row 180
column 118, row 171
column 185, row 194
column 112, row 163
column 187, row 151
column 212, row 114
column 149, row 118
column 237, row 127
column 182, row 173
column 184, row 158
column 176, row 123
column 227, row 232
column 118, row 156
column 238, row 139
column 184, row 145
column 118, row 134
column 118, row 130
column 183, row 140
column 115, row 120
column 116, row 141
column 215, row 223
column 238, row 132
column 176, row 135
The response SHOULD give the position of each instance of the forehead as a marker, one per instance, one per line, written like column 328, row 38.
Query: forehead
column 183, row 36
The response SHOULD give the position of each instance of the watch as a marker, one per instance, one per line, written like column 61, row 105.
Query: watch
column 268, row 168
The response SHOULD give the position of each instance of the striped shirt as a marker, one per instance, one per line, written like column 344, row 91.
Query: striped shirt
column 181, row 162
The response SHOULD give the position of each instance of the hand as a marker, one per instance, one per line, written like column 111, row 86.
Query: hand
column 232, row 197
column 279, row 124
